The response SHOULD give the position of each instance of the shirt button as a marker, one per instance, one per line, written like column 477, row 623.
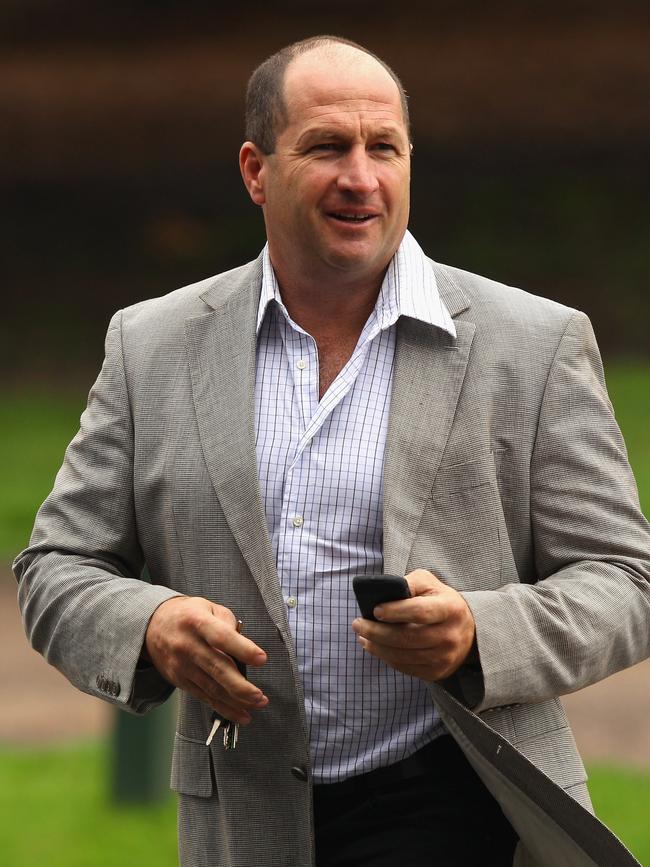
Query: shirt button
column 298, row 521
column 300, row 773
column 292, row 601
column 301, row 364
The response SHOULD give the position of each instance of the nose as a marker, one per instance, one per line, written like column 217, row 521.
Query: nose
column 357, row 173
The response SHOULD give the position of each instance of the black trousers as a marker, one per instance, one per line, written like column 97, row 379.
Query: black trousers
column 431, row 810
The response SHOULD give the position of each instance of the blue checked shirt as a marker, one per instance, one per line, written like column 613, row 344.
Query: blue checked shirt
column 320, row 467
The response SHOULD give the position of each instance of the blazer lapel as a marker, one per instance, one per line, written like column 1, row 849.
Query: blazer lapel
column 221, row 352
column 429, row 372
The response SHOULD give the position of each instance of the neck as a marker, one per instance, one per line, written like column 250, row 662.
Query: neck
column 329, row 308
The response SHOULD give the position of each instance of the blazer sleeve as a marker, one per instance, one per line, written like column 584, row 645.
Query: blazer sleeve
column 588, row 614
column 82, row 593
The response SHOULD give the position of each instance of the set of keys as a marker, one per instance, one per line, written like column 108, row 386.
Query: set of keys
column 230, row 732
column 230, row 729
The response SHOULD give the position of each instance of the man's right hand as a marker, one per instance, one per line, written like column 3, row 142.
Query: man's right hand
column 193, row 642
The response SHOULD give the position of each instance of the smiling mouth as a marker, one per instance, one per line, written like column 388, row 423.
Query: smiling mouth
column 352, row 218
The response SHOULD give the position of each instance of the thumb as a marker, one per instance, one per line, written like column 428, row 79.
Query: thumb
column 424, row 583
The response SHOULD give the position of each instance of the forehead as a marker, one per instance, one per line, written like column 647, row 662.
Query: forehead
column 335, row 85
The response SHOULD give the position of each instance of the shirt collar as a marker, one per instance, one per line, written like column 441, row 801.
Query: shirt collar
column 409, row 289
column 270, row 290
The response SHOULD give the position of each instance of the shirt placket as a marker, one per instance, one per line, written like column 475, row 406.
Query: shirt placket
column 295, row 563
column 301, row 356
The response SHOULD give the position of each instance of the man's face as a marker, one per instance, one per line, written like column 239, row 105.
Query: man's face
column 335, row 193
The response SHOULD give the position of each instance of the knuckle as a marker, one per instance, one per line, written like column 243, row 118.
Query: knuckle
column 214, row 690
column 421, row 612
column 241, row 691
column 219, row 630
column 197, row 614
column 446, row 645
column 216, row 670
column 180, row 646
column 194, row 619
column 223, row 613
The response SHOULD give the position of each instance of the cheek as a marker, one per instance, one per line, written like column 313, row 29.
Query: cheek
column 313, row 182
column 396, row 194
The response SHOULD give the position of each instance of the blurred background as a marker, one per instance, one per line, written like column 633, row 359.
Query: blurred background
column 121, row 124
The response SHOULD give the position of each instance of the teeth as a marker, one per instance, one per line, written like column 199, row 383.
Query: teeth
column 353, row 218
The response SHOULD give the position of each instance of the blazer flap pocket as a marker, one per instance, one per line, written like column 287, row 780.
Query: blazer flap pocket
column 191, row 768
column 467, row 475
column 556, row 754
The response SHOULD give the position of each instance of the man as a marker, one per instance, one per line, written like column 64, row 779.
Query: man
column 344, row 405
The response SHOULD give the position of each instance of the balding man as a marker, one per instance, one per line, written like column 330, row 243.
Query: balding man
column 344, row 405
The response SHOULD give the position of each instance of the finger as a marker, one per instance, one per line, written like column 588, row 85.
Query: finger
column 418, row 609
column 421, row 663
column 221, row 669
column 400, row 656
column 407, row 635
column 199, row 687
column 225, row 705
column 187, row 651
column 217, row 697
column 222, row 635
column 421, row 581
column 431, row 601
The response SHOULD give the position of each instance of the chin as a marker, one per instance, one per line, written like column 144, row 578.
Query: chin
column 353, row 256
column 353, row 264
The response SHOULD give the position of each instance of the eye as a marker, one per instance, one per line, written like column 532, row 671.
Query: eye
column 384, row 147
column 325, row 146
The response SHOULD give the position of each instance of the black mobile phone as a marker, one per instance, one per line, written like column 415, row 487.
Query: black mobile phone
column 371, row 590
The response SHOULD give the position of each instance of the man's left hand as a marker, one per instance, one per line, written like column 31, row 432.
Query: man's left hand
column 428, row 636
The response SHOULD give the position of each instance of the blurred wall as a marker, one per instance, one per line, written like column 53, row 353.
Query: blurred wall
column 122, row 122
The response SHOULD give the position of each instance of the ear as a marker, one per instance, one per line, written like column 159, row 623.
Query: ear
column 251, row 164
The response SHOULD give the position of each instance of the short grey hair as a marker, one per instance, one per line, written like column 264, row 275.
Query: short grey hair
column 266, row 112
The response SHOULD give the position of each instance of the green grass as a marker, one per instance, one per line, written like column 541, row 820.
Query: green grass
column 35, row 429
column 55, row 810
column 621, row 799
column 629, row 388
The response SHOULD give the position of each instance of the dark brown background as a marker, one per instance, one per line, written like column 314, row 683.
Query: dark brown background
column 121, row 125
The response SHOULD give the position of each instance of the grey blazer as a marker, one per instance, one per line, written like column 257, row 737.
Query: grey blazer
column 505, row 475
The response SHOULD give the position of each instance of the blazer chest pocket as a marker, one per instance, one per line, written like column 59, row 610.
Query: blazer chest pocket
column 462, row 537
column 453, row 478
column 191, row 768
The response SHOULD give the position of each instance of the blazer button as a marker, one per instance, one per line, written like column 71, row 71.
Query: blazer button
column 300, row 773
